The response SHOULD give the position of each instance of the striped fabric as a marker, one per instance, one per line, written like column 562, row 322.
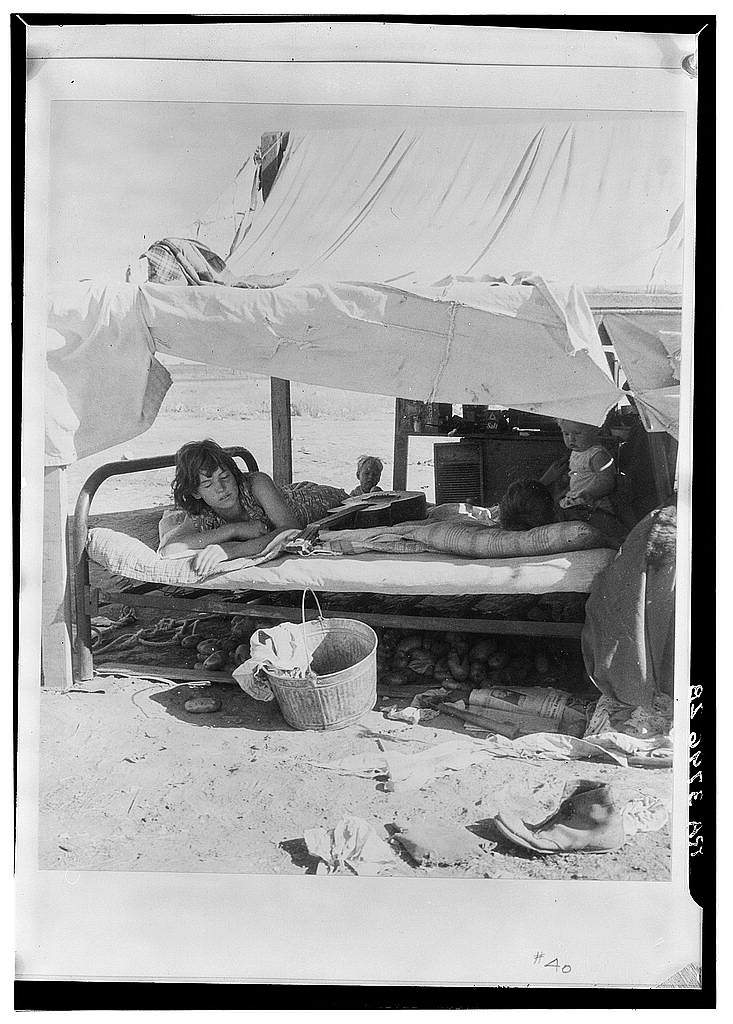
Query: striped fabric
column 183, row 261
column 468, row 539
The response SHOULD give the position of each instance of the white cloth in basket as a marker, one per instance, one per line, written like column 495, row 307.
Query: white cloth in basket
column 281, row 649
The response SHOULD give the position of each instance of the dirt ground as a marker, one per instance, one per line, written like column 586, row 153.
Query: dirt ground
column 130, row 780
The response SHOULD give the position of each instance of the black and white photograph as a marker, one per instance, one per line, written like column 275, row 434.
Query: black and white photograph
column 356, row 504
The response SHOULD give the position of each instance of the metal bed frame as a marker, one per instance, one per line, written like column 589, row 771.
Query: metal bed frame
column 89, row 599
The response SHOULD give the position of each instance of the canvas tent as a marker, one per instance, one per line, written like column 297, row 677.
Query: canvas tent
column 432, row 264
column 428, row 75
column 592, row 199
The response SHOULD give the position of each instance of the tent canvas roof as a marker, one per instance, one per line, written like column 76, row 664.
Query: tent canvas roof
column 591, row 199
column 398, row 238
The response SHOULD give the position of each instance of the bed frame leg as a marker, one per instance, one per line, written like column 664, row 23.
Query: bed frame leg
column 55, row 598
column 84, row 657
column 84, row 667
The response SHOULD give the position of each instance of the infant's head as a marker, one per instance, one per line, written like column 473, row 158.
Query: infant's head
column 369, row 472
column 578, row 437
column 526, row 504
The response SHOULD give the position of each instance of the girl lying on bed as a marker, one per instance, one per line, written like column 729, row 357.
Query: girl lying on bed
column 221, row 512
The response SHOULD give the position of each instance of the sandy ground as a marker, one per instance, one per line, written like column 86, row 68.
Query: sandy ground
column 130, row 780
column 133, row 781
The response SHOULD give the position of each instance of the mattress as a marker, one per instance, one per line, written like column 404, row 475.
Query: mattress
column 419, row 574
column 375, row 572
column 423, row 574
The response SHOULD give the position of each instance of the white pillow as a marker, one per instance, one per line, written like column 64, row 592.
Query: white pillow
column 129, row 557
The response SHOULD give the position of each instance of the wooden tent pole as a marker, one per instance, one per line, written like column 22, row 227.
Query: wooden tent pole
column 55, row 595
column 401, row 444
column 282, row 443
column 663, row 451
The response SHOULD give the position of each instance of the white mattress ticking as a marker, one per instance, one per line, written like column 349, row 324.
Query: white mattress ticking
column 422, row 574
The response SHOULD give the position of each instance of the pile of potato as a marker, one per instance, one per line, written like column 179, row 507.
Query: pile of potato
column 460, row 661
column 221, row 646
column 456, row 661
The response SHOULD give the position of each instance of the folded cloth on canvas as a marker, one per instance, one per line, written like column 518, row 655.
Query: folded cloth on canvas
column 175, row 260
column 178, row 260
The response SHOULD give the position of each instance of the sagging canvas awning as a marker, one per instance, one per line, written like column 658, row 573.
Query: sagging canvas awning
column 103, row 382
column 395, row 238
column 649, row 352
column 527, row 346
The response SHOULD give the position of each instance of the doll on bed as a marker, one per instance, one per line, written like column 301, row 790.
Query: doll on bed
column 221, row 512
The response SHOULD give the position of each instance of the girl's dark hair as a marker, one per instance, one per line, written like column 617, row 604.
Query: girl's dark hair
column 526, row 503
column 192, row 460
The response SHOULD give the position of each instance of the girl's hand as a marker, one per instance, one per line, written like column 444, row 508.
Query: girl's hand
column 206, row 560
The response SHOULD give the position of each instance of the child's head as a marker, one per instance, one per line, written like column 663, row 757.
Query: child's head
column 206, row 476
column 368, row 472
column 526, row 504
column 578, row 437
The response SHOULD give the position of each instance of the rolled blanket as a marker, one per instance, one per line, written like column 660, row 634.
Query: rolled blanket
column 465, row 537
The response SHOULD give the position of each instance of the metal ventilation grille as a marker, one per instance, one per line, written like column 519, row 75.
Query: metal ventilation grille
column 458, row 473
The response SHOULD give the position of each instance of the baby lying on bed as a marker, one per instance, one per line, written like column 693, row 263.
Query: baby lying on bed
column 222, row 513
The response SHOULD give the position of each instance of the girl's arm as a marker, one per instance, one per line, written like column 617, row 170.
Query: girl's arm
column 267, row 495
column 185, row 538
column 273, row 503
column 604, row 481
column 556, row 471
column 206, row 560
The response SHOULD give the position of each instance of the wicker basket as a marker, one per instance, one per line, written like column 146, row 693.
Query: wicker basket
column 343, row 686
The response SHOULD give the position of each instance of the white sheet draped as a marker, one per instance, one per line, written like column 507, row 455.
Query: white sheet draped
column 648, row 349
column 103, row 383
column 527, row 346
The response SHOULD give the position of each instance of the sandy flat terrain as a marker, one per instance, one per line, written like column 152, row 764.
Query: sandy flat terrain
column 328, row 438
column 132, row 781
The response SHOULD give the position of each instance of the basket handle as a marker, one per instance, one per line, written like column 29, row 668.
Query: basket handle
column 318, row 606
column 302, row 615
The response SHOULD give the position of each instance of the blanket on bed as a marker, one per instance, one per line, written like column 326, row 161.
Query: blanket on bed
column 467, row 537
